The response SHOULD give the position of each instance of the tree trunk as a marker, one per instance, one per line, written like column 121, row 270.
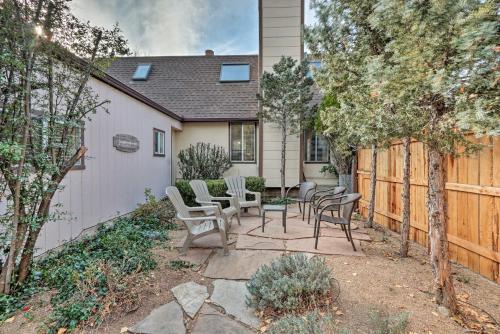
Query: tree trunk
column 441, row 267
column 405, row 199
column 373, row 186
column 283, row 161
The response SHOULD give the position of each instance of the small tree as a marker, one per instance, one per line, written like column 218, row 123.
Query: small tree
column 346, row 43
column 286, row 94
column 203, row 161
column 444, row 64
column 45, row 100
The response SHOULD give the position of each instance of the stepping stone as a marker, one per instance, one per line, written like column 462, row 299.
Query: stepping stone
column 211, row 321
column 247, row 224
column 326, row 245
column 190, row 296
column 238, row 264
column 166, row 319
column 294, row 230
column 250, row 242
column 197, row 256
column 231, row 296
column 209, row 241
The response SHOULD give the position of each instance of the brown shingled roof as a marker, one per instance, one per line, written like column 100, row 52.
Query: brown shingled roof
column 189, row 85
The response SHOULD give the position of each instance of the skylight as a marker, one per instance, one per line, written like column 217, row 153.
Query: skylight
column 142, row 72
column 234, row 72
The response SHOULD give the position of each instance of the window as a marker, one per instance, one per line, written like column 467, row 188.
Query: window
column 76, row 139
column 158, row 143
column 313, row 66
column 234, row 72
column 142, row 72
column 242, row 142
column 316, row 147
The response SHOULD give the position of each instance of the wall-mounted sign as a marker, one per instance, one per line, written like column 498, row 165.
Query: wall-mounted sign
column 125, row 143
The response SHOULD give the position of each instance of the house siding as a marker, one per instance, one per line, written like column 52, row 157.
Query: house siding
column 112, row 182
column 281, row 35
column 216, row 133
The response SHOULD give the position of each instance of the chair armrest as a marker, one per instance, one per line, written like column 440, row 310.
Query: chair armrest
column 233, row 201
column 288, row 190
column 329, row 197
column 255, row 193
column 195, row 219
column 209, row 203
column 202, row 208
column 313, row 190
column 222, row 198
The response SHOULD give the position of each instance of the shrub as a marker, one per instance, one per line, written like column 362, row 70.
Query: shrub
column 311, row 323
column 217, row 188
column 291, row 283
column 203, row 161
column 156, row 211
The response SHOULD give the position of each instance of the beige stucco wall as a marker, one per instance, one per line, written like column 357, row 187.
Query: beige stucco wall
column 281, row 36
column 216, row 133
column 112, row 182
column 312, row 173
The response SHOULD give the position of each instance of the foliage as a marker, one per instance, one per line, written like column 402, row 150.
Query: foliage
column 310, row 323
column 203, row 161
column 217, row 188
column 47, row 59
column 278, row 201
column 160, row 211
column 91, row 275
column 179, row 264
column 329, row 169
column 286, row 94
column 389, row 325
column 290, row 283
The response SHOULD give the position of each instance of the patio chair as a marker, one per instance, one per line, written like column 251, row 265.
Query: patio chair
column 346, row 204
column 306, row 189
column 320, row 195
column 198, row 226
column 203, row 196
column 236, row 187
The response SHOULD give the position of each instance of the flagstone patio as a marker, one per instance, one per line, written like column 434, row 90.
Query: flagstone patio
column 224, row 309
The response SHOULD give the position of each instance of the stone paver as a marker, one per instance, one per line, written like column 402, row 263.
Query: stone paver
column 190, row 296
column 210, row 321
column 231, row 296
column 294, row 230
column 326, row 245
column 166, row 319
column 247, row 224
column 209, row 241
column 197, row 256
column 250, row 242
column 238, row 264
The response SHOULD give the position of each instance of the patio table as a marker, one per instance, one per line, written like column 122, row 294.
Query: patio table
column 278, row 208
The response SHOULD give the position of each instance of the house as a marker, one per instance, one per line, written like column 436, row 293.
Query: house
column 160, row 105
column 216, row 96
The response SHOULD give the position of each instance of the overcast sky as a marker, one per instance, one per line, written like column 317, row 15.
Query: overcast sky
column 180, row 27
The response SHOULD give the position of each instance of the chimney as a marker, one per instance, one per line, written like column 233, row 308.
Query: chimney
column 209, row 52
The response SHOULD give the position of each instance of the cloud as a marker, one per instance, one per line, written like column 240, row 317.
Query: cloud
column 173, row 27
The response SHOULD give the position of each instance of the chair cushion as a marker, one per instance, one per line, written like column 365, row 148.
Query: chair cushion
column 332, row 220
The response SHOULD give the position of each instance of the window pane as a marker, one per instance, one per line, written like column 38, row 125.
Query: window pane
column 141, row 72
column 249, row 136
column 236, row 142
column 161, row 138
column 235, row 72
column 322, row 149
column 310, row 146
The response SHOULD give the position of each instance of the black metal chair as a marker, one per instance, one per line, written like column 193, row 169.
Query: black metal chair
column 306, row 189
column 346, row 205
column 319, row 195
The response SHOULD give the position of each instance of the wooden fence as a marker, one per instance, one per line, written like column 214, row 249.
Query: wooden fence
column 473, row 194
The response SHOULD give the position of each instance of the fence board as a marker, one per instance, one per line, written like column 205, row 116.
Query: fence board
column 473, row 194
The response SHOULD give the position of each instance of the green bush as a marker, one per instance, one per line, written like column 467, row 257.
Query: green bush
column 310, row 323
column 217, row 188
column 290, row 283
column 203, row 161
column 153, row 210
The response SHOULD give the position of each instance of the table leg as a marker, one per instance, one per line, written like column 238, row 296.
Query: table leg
column 263, row 220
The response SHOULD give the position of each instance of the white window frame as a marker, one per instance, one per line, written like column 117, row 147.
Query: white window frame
column 159, row 135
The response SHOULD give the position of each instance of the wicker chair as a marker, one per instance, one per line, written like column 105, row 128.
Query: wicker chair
column 319, row 195
column 198, row 226
column 346, row 205
column 306, row 190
